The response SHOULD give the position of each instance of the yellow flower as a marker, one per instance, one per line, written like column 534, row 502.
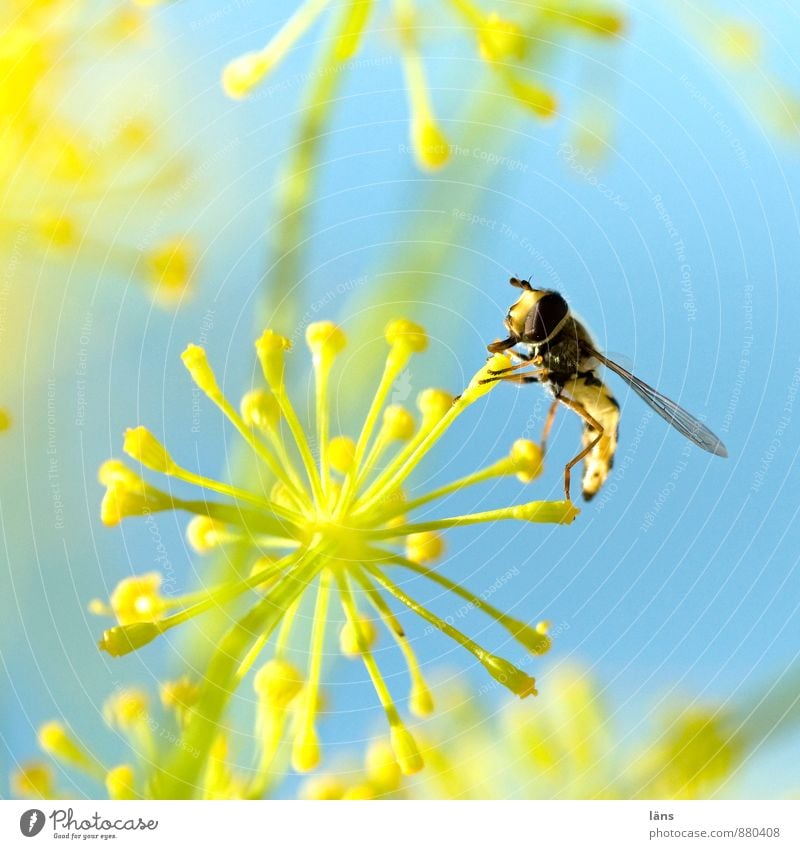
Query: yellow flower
column 331, row 529
column 135, row 599
column 33, row 780
column 502, row 43
column 69, row 180
column 169, row 266
column 572, row 746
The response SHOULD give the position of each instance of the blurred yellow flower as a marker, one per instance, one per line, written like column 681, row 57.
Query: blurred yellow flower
column 76, row 189
column 509, row 48
column 566, row 746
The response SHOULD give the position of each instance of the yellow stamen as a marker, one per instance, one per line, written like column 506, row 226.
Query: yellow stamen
column 121, row 783
column 355, row 22
column 501, row 670
column 425, row 547
column 277, row 684
column 325, row 340
column 420, row 701
column 534, row 639
column 405, row 749
column 242, row 75
column 33, row 780
column 58, row 742
column 381, row 766
column 305, row 749
column 196, row 362
column 431, row 147
column 398, row 470
column 405, row 338
column 398, row 426
column 271, row 348
column 341, row 453
column 559, row 512
column 353, row 635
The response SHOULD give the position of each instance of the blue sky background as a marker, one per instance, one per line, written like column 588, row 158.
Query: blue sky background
column 679, row 250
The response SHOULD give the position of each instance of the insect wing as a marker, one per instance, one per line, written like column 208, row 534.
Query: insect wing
column 671, row 412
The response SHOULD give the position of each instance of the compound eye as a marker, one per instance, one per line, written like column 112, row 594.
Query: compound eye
column 544, row 319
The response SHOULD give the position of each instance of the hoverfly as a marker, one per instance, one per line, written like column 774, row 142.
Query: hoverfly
column 563, row 357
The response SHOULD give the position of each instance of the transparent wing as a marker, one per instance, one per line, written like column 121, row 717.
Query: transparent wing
column 682, row 421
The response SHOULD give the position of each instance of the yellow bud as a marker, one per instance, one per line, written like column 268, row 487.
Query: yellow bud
column 420, row 700
column 126, row 709
column 196, row 362
column 277, row 683
column 59, row 743
column 425, row 547
column 5, row 420
column 120, row 782
column 243, row 74
column 260, row 409
column 534, row 97
column 499, row 39
column 430, row 145
column 359, row 793
column 119, row 503
column 325, row 339
column 476, row 388
column 382, row 767
column 123, row 639
column 526, row 457
column 560, row 512
column 322, row 789
column 434, row 405
column 115, row 471
column 404, row 334
column 127, row 494
column 138, row 599
column 58, row 230
column 204, row 534
column 509, row 675
column 348, row 638
column 405, row 750
column 142, row 446
column 270, row 348
column 179, row 695
column 341, row 453
column 33, row 780
column 305, row 749
column 398, row 423
column 169, row 268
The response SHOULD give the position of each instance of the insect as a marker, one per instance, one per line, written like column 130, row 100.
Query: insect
column 561, row 355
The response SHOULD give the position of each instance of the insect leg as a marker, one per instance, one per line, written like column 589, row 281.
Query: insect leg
column 531, row 377
column 593, row 423
column 548, row 424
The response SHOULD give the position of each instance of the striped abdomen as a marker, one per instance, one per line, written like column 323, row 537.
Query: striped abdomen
column 596, row 398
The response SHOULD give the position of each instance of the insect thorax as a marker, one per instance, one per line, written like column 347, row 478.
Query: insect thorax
column 563, row 356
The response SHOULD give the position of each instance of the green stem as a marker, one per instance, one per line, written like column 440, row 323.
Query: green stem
column 179, row 778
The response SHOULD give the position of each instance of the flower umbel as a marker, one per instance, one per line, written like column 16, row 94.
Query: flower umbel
column 504, row 45
column 337, row 527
